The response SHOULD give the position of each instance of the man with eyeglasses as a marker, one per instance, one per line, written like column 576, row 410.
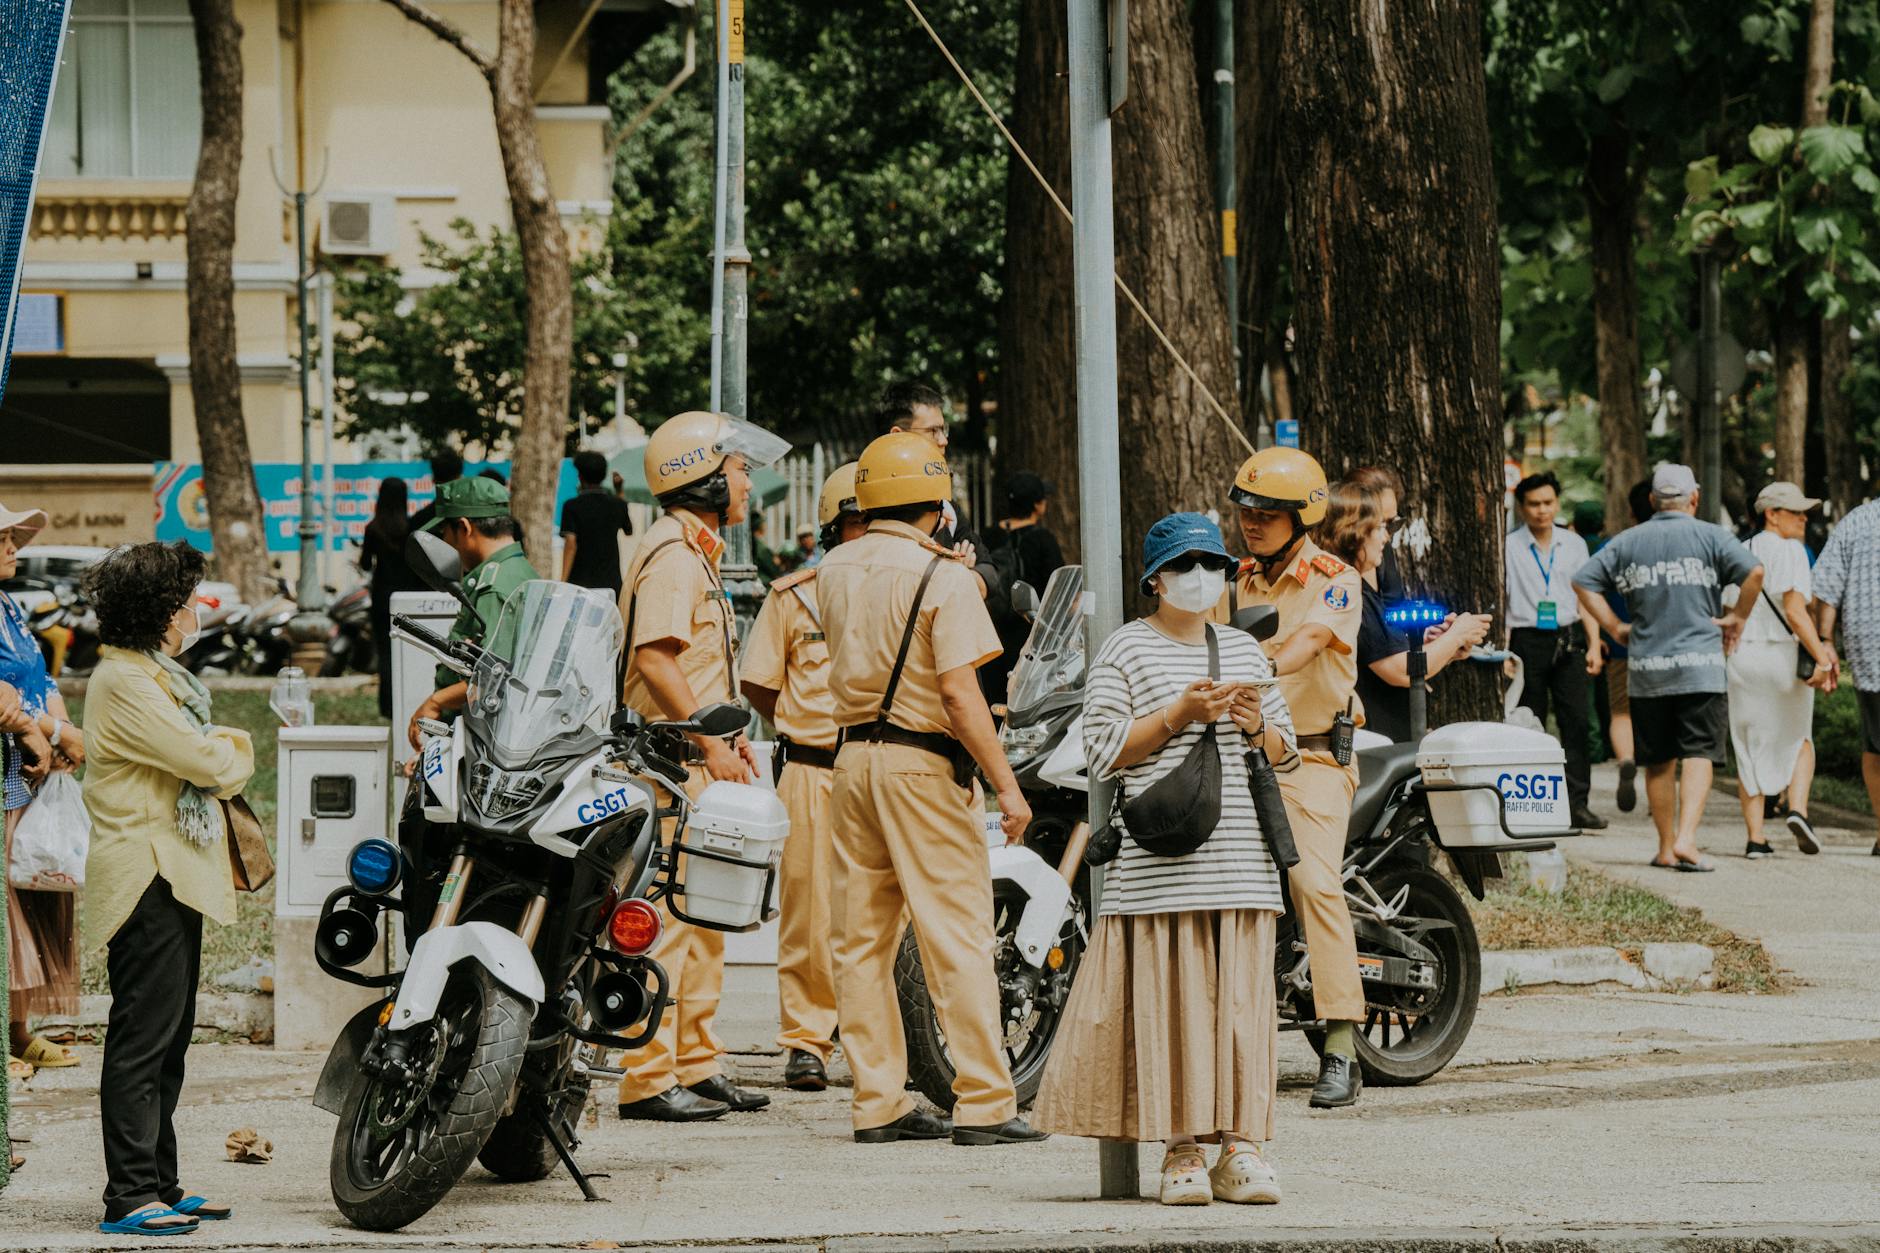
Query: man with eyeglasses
column 917, row 408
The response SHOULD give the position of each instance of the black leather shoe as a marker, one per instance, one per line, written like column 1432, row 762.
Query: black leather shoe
column 1012, row 1131
column 720, row 1088
column 804, row 1072
column 675, row 1104
column 916, row 1124
column 1339, row 1083
column 1587, row 820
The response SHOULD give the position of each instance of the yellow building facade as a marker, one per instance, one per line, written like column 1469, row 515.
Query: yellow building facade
column 394, row 125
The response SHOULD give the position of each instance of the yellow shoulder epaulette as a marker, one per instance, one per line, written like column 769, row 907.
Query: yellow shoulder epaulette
column 793, row 579
column 1329, row 565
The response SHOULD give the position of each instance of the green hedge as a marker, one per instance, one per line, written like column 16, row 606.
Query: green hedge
column 1837, row 733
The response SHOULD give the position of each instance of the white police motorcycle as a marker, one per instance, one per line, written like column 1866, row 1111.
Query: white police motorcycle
column 526, row 868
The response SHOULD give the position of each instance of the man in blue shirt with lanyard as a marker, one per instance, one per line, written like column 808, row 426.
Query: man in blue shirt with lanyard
column 1545, row 631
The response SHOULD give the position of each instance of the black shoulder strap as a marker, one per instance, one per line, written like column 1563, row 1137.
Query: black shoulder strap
column 1777, row 611
column 633, row 596
column 907, row 639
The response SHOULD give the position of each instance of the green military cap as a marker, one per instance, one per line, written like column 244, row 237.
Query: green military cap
column 469, row 498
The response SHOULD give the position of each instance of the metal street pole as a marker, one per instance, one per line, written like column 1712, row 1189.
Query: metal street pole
column 1099, row 467
column 310, row 626
column 1709, row 400
column 1226, row 189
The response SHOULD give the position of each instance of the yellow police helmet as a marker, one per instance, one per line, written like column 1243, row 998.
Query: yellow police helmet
column 689, row 448
column 1283, row 480
column 902, row 468
column 838, row 495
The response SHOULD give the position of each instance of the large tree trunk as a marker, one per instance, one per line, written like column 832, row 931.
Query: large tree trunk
column 215, row 383
column 1262, row 181
column 543, row 433
column 1037, row 313
column 1612, row 207
column 1398, row 299
column 1841, row 450
column 1795, row 315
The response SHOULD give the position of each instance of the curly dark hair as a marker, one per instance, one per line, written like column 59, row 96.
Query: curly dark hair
column 137, row 589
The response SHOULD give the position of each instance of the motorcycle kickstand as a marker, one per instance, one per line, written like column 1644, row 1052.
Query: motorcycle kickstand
column 581, row 1178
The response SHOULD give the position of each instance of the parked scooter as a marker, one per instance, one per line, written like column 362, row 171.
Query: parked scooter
column 262, row 633
column 350, row 647
column 218, row 649
column 1418, row 956
column 527, row 863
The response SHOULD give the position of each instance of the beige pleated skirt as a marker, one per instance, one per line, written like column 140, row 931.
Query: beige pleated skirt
column 1171, row 1029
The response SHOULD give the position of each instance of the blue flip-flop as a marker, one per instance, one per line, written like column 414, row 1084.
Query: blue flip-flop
column 137, row 1223
column 199, row 1207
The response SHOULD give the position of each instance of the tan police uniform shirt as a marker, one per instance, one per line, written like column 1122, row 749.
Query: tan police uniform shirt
column 787, row 653
column 672, row 592
column 867, row 590
column 1316, row 588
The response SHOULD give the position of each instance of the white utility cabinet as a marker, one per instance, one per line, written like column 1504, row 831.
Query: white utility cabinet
column 414, row 671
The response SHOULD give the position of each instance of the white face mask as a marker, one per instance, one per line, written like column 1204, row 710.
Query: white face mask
column 195, row 630
column 1196, row 591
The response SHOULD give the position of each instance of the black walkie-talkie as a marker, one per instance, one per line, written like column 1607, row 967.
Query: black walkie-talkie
column 1342, row 728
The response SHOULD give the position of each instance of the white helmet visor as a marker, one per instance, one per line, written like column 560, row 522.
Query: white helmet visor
column 759, row 448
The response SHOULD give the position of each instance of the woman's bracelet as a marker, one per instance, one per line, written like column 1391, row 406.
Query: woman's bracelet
column 1166, row 725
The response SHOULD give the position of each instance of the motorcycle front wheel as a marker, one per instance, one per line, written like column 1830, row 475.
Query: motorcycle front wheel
column 1030, row 1023
column 403, row 1143
column 1409, row 1035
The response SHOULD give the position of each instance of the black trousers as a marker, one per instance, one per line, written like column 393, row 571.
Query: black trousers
column 154, row 961
column 1556, row 672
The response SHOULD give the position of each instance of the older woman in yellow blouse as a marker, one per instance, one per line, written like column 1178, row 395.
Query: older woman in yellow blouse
column 159, row 864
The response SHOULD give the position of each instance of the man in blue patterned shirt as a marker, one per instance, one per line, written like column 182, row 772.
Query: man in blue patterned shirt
column 1847, row 591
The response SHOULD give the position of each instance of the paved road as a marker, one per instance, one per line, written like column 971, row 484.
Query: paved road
column 1627, row 1119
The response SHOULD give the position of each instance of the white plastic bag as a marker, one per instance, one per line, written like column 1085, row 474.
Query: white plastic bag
column 54, row 834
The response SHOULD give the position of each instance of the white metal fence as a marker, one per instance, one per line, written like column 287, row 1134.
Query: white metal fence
column 806, row 470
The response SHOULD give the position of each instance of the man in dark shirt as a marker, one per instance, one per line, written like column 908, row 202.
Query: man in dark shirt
column 591, row 523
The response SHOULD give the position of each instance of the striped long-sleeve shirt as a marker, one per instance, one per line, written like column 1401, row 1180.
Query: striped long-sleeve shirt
column 1141, row 671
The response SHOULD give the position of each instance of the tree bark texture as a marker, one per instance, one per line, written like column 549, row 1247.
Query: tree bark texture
column 543, row 433
column 1396, row 278
column 1796, row 317
column 1261, row 245
column 228, row 474
column 1612, row 189
column 1841, row 451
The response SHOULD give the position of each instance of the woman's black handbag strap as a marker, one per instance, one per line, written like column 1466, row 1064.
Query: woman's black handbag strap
column 1777, row 611
column 907, row 639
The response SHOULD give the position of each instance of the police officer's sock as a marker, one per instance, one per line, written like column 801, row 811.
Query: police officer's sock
column 1341, row 1038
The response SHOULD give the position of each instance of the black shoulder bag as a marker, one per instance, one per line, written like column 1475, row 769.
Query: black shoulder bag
column 1804, row 660
column 1176, row 814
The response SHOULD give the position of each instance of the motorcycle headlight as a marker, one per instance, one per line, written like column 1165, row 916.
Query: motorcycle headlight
column 1023, row 741
column 499, row 793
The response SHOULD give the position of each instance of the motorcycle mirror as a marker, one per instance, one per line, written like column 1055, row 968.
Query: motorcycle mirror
column 438, row 565
column 1024, row 599
column 1259, row 621
column 624, row 721
column 721, row 720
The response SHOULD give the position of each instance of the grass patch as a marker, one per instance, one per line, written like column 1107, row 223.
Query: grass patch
column 228, row 948
column 1848, row 794
column 1597, row 909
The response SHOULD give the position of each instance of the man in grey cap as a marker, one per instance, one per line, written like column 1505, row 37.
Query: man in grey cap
column 1672, row 571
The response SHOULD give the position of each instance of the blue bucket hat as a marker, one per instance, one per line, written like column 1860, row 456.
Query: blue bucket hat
column 1177, row 534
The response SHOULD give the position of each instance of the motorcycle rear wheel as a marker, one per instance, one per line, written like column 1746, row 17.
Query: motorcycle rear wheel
column 1407, row 1037
column 383, row 1179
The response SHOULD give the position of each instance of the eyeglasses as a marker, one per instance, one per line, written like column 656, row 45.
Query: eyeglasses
column 1392, row 525
column 1188, row 561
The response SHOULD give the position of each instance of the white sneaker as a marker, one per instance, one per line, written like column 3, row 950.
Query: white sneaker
column 1244, row 1177
column 1185, row 1177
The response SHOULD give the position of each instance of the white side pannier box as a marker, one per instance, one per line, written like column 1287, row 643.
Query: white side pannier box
column 1495, row 786
column 733, row 844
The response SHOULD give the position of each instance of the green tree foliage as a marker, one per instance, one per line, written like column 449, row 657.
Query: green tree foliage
column 446, row 359
column 875, row 199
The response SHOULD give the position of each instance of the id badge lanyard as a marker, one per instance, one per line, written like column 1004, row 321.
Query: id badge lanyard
column 1546, row 613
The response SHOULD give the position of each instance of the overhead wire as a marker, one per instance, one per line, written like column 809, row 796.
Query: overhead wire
column 1135, row 302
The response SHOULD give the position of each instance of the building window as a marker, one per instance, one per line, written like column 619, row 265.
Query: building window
column 127, row 103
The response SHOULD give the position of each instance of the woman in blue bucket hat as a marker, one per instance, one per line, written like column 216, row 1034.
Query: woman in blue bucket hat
column 1171, row 1033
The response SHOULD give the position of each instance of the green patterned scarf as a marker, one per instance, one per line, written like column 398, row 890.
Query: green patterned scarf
column 196, row 815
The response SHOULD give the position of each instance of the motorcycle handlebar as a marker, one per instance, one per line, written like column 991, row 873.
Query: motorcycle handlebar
column 459, row 655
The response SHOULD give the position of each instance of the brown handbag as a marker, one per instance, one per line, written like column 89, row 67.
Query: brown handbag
column 249, row 860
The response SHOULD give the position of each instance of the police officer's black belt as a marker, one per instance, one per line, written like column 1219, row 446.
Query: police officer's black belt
column 795, row 754
column 888, row 733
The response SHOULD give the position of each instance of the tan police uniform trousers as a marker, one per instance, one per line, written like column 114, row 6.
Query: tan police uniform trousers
column 908, row 836
column 1318, row 802
column 806, row 981
column 685, row 1050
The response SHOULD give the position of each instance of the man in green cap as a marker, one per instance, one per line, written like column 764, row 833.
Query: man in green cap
column 473, row 518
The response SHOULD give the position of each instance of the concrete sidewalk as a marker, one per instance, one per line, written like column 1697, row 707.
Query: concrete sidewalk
column 1624, row 1121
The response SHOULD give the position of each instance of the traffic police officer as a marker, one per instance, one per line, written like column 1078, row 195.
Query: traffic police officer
column 472, row 516
column 786, row 677
column 1281, row 492
column 907, row 633
column 680, row 635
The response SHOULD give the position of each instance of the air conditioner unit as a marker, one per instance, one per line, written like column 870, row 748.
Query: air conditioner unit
column 358, row 225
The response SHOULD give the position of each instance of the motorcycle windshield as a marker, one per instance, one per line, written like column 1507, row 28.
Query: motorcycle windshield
column 1052, row 661
column 549, row 671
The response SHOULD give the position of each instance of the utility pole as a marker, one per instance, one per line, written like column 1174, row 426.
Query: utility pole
column 1226, row 190
column 1099, row 465
column 1709, row 402
column 731, row 286
column 310, row 625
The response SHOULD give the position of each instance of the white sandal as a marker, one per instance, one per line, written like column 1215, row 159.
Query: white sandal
column 1185, row 1177
column 1244, row 1177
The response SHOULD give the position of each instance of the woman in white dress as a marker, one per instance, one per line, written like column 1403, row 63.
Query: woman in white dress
column 1771, row 711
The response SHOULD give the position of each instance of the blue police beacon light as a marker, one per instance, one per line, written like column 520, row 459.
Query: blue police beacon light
column 1413, row 615
column 373, row 866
